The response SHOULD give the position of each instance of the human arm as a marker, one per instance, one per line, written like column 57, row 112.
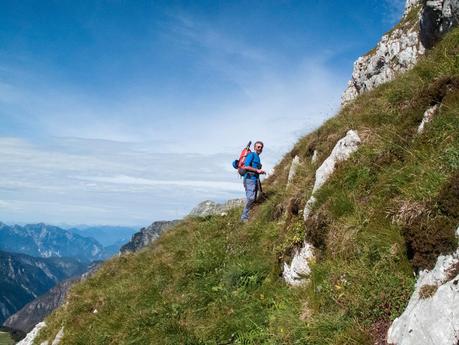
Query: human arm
column 248, row 165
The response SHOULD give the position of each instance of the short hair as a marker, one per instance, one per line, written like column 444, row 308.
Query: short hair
column 259, row 142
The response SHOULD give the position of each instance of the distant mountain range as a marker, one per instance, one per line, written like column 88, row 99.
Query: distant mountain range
column 45, row 241
column 23, row 278
column 108, row 236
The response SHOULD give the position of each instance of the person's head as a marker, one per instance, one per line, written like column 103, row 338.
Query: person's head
column 258, row 147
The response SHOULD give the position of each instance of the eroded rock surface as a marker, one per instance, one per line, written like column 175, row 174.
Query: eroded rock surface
column 342, row 150
column 315, row 156
column 147, row 235
column 427, row 117
column 438, row 17
column 207, row 208
column 399, row 50
column 297, row 271
column 432, row 314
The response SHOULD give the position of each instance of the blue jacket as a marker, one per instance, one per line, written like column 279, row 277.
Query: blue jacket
column 252, row 160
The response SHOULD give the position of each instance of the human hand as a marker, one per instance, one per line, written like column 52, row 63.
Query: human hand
column 261, row 172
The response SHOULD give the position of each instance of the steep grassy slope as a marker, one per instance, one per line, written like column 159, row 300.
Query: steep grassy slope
column 389, row 209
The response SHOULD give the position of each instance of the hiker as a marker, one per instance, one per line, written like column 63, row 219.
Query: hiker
column 252, row 165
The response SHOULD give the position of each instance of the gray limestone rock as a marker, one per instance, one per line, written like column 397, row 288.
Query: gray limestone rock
column 427, row 117
column 296, row 273
column 431, row 317
column 399, row 50
column 208, row 208
column 147, row 235
column 438, row 17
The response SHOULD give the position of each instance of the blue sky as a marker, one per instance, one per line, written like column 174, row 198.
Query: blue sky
column 127, row 112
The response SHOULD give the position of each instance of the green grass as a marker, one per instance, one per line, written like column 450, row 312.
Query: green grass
column 5, row 339
column 215, row 281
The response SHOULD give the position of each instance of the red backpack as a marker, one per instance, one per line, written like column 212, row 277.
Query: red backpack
column 239, row 163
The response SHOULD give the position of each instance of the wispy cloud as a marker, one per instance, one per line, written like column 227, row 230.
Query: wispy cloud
column 121, row 184
column 70, row 156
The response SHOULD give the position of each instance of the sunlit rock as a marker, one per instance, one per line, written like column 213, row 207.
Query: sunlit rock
column 431, row 317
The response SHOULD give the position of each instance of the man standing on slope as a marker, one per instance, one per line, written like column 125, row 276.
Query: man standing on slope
column 252, row 165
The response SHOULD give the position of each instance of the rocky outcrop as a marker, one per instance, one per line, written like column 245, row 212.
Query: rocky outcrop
column 209, row 208
column 315, row 156
column 409, row 4
column 438, row 17
column 299, row 269
column 30, row 338
column 341, row 152
column 293, row 168
column 427, row 117
column 147, row 235
column 295, row 273
column 399, row 50
column 431, row 315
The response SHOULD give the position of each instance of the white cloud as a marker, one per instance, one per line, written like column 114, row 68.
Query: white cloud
column 80, row 182
column 141, row 158
column 136, row 181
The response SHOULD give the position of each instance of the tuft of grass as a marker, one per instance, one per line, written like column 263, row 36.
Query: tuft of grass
column 427, row 291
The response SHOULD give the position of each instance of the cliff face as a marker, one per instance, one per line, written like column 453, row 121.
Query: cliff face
column 34, row 312
column 23, row 278
column 399, row 50
column 147, row 235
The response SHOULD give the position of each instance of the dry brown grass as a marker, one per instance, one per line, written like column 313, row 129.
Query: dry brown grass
column 427, row 291
column 405, row 212
column 341, row 242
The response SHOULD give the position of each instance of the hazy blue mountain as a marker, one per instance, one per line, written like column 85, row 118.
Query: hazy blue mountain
column 108, row 236
column 23, row 278
column 45, row 241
